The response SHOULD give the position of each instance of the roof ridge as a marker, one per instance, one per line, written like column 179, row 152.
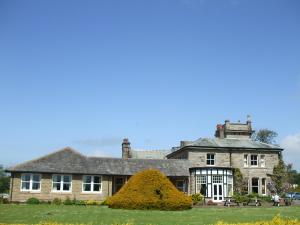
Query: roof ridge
column 67, row 148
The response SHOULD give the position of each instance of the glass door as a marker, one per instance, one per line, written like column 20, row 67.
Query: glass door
column 119, row 182
column 218, row 192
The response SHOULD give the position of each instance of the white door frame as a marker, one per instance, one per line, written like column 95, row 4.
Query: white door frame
column 219, row 194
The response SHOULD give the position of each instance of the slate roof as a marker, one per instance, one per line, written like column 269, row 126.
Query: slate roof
column 68, row 160
column 149, row 154
column 232, row 143
column 228, row 143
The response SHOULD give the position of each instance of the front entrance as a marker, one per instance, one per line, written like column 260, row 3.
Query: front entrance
column 218, row 192
column 118, row 183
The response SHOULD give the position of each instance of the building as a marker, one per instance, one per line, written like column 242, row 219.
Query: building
column 203, row 166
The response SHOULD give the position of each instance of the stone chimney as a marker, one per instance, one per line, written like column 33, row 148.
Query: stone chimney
column 219, row 131
column 126, row 149
column 235, row 130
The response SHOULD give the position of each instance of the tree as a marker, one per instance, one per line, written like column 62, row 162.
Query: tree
column 4, row 181
column 240, row 184
column 265, row 136
column 279, row 176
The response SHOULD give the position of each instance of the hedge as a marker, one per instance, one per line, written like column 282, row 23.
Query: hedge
column 149, row 189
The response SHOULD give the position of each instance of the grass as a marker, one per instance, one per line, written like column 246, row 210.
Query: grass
column 29, row 214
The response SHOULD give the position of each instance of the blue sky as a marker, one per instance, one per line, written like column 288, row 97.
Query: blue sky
column 86, row 74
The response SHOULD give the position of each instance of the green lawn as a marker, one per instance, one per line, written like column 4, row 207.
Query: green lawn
column 28, row 214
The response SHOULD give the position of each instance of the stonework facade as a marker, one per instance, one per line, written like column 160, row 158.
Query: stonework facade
column 203, row 166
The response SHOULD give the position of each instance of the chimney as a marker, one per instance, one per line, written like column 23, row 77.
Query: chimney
column 126, row 149
column 220, row 131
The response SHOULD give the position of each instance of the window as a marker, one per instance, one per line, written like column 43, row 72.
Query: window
column 217, row 179
column 263, row 186
column 201, row 184
column 254, row 160
column 30, row 182
column 62, row 183
column 245, row 160
column 255, row 185
column 262, row 161
column 91, row 183
column 180, row 185
column 210, row 159
column 229, row 186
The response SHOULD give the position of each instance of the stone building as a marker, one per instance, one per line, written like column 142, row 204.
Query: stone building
column 203, row 166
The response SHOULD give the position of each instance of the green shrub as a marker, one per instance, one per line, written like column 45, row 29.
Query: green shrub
column 241, row 198
column 265, row 198
column 92, row 202
column 197, row 198
column 68, row 201
column 149, row 189
column 104, row 202
column 33, row 201
column 4, row 200
column 56, row 201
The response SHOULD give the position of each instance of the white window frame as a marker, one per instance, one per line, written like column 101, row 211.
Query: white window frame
column 62, row 183
column 262, row 160
column 254, row 160
column 30, row 182
column 92, row 184
column 264, row 186
column 201, row 179
column 246, row 160
column 211, row 160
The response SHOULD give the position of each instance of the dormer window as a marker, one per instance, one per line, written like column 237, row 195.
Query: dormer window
column 210, row 159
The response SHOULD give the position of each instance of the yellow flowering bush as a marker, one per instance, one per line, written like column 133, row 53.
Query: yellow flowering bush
column 149, row 189
column 277, row 220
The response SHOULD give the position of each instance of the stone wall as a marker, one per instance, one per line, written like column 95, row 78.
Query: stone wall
column 235, row 159
column 249, row 172
column 46, row 193
column 222, row 158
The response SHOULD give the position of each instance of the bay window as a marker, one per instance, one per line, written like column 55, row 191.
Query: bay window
column 255, row 185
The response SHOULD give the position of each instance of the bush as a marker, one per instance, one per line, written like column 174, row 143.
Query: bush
column 4, row 200
column 33, row 201
column 67, row 201
column 197, row 198
column 149, row 189
column 92, row 202
column 56, row 201
column 265, row 198
column 241, row 198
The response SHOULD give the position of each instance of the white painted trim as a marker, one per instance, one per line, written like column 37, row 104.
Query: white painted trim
column 30, row 183
column 61, row 184
column 92, row 185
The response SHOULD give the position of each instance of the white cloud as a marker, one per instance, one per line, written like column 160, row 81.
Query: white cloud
column 291, row 145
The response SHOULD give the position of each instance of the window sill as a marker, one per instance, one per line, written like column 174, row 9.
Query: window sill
column 91, row 192
column 31, row 192
column 61, row 192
